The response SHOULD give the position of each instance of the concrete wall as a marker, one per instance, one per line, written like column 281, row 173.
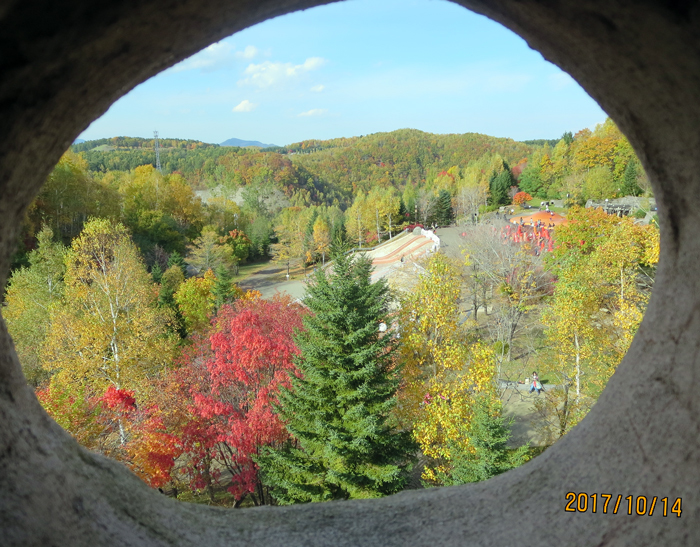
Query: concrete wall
column 63, row 62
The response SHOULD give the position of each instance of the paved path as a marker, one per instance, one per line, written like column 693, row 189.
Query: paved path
column 271, row 281
column 386, row 259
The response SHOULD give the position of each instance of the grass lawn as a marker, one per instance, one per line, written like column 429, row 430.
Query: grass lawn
column 221, row 498
column 246, row 270
column 536, row 202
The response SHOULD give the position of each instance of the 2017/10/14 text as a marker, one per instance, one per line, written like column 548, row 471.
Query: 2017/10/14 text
column 639, row 505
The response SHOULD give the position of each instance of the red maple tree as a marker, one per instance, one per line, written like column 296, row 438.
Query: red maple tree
column 253, row 348
column 214, row 413
column 521, row 198
column 207, row 419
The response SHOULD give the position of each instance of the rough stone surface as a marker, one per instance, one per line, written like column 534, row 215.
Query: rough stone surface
column 63, row 62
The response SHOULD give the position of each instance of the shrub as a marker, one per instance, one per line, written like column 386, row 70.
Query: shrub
column 521, row 198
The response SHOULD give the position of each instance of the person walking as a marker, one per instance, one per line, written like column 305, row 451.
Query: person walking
column 536, row 385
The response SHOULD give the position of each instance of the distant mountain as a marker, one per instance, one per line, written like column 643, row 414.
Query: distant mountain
column 78, row 141
column 243, row 144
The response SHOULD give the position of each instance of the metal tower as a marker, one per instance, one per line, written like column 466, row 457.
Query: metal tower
column 155, row 136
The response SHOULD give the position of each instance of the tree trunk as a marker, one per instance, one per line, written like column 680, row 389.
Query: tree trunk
column 622, row 287
column 359, row 230
column 207, row 480
column 122, row 433
column 378, row 236
column 564, row 418
column 261, row 493
column 578, row 367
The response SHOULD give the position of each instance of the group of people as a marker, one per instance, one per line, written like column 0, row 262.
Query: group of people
column 540, row 224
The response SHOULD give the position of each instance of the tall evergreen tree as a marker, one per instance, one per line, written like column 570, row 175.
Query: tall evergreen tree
column 403, row 211
column 224, row 289
column 339, row 411
column 176, row 259
column 445, row 215
column 629, row 180
column 530, row 180
column 567, row 137
column 499, row 185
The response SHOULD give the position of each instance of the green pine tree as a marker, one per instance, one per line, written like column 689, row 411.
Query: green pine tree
column 444, row 214
column 489, row 433
column 629, row 180
column 223, row 287
column 176, row 259
column 339, row 411
column 156, row 272
column 530, row 181
column 499, row 186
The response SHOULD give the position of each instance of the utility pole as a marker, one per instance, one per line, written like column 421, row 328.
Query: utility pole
column 359, row 228
column 157, row 147
column 378, row 240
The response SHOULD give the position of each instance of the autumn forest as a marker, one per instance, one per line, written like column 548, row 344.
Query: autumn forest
column 134, row 311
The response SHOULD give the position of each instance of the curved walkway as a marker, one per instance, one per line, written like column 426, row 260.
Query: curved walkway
column 412, row 245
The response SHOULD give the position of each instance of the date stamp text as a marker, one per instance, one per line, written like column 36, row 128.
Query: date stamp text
column 632, row 505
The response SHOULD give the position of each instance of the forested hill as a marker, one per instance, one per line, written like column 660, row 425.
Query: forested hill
column 392, row 159
column 327, row 170
column 126, row 153
column 138, row 143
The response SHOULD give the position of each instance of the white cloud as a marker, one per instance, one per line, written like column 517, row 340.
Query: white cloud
column 318, row 88
column 313, row 112
column 244, row 106
column 269, row 73
column 210, row 58
column 248, row 53
column 216, row 56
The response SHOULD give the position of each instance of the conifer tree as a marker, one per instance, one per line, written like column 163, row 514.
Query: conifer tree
column 156, row 273
column 224, row 289
column 445, row 214
column 176, row 259
column 629, row 180
column 500, row 184
column 338, row 411
column 489, row 433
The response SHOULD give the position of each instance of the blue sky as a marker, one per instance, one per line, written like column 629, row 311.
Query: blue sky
column 353, row 68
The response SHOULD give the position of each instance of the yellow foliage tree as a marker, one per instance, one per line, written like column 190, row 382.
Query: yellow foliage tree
column 442, row 371
column 109, row 331
column 291, row 232
column 321, row 238
column 360, row 219
column 31, row 295
column 597, row 305
column 430, row 331
column 196, row 302
column 448, row 406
